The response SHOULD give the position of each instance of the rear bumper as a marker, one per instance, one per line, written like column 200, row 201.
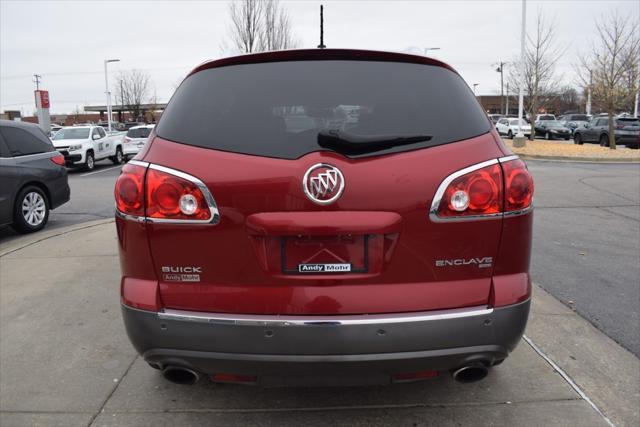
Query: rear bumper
column 130, row 149
column 373, row 347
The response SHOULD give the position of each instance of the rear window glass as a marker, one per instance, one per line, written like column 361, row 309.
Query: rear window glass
column 22, row 142
column 628, row 122
column 277, row 109
column 72, row 133
column 579, row 117
column 139, row 133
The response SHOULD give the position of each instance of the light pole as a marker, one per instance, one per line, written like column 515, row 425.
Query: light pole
column 500, row 69
column 427, row 49
column 475, row 85
column 506, row 109
column 588, row 107
column 521, row 85
column 106, row 88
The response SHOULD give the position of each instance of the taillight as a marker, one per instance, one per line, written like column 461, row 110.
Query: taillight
column 58, row 159
column 488, row 189
column 171, row 196
column 475, row 191
column 518, row 186
column 156, row 193
column 129, row 190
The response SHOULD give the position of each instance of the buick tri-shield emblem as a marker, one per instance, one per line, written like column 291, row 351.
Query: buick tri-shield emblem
column 323, row 183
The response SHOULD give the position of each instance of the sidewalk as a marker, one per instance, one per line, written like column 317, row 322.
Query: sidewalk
column 65, row 360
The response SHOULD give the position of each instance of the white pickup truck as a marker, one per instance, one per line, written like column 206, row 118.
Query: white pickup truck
column 83, row 146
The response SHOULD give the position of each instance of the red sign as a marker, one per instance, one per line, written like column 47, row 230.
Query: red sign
column 43, row 97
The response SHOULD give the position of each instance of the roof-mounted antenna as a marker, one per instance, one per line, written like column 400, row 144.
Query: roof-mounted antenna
column 321, row 45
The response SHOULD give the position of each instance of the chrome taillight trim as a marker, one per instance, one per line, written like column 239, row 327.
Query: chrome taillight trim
column 211, row 203
column 433, row 211
column 338, row 320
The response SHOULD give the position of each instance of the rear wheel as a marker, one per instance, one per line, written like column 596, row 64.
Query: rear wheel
column 90, row 161
column 31, row 210
column 604, row 140
column 118, row 159
column 577, row 139
column 510, row 134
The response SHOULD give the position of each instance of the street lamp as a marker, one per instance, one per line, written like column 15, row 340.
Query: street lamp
column 475, row 85
column 427, row 49
column 521, row 70
column 106, row 88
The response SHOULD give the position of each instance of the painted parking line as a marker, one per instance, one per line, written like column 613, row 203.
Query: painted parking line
column 101, row 170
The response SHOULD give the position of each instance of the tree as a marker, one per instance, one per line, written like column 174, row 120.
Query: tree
column 276, row 31
column 613, row 66
column 246, row 24
column 568, row 99
column 259, row 25
column 537, row 73
column 132, row 90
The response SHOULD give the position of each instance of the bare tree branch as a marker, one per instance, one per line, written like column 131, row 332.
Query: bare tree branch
column 537, row 74
column 259, row 25
column 132, row 90
column 613, row 65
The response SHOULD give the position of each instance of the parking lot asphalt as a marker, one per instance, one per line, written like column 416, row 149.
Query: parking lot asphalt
column 66, row 360
column 586, row 246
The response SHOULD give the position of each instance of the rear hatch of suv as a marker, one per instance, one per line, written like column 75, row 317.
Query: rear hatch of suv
column 250, row 133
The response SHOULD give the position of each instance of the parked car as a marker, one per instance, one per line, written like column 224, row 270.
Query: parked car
column 543, row 117
column 509, row 127
column 627, row 131
column 495, row 117
column 128, row 125
column 386, row 247
column 135, row 139
column 33, row 179
column 54, row 129
column 83, row 146
column 552, row 129
column 573, row 121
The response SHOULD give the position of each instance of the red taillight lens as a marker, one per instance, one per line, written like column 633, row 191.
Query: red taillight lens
column 172, row 197
column 234, row 378
column 58, row 159
column 478, row 192
column 129, row 191
column 414, row 376
column 518, row 185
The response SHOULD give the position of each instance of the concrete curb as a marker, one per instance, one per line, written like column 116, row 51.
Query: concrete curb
column 32, row 239
column 606, row 373
column 568, row 159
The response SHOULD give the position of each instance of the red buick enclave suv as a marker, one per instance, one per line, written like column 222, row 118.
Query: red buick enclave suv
column 324, row 216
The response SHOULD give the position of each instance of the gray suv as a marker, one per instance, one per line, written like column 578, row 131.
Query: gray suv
column 627, row 131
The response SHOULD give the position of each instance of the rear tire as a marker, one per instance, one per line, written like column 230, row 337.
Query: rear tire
column 577, row 139
column 510, row 134
column 604, row 140
column 90, row 161
column 31, row 210
column 119, row 158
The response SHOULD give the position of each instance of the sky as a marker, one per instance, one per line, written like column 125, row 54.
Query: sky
column 66, row 42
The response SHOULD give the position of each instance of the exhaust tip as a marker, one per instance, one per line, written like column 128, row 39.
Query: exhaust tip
column 470, row 373
column 180, row 375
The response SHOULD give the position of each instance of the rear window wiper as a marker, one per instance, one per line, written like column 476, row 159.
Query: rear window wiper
column 349, row 143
